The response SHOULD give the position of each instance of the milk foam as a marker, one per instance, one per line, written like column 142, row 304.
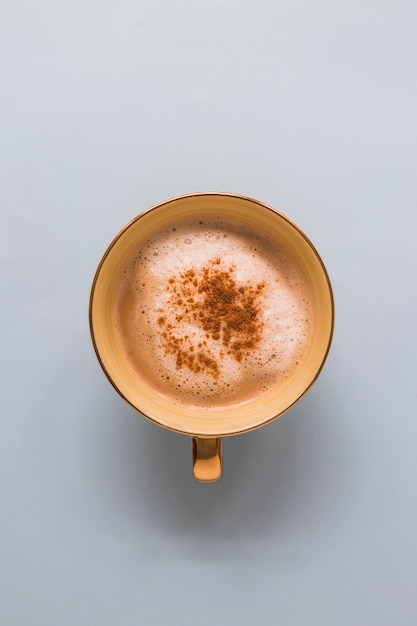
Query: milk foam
column 148, row 306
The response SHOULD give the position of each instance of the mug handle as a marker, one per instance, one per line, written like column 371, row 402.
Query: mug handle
column 207, row 459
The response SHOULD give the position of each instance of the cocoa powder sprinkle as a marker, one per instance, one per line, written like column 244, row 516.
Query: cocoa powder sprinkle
column 227, row 312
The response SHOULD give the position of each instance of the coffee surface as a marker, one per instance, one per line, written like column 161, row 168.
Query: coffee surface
column 212, row 313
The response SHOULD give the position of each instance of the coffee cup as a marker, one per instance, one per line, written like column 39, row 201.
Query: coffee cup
column 211, row 314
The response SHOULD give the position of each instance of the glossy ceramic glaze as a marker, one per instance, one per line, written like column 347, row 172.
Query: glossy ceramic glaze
column 223, row 421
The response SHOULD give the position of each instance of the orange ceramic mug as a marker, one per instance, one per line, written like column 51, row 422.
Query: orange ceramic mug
column 141, row 388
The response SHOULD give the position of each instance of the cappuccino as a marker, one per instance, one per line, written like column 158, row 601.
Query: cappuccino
column 210, row 312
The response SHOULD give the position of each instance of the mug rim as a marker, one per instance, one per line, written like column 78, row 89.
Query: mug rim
column 191, row 195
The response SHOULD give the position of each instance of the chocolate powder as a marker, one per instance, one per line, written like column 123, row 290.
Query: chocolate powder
column 228, row 313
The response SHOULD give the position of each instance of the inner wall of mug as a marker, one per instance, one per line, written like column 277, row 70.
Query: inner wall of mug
column 219, row 421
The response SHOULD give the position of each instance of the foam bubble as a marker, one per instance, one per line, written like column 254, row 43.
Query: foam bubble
column 167, row 335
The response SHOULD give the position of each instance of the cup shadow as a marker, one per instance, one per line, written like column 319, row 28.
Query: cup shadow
column 272, row 477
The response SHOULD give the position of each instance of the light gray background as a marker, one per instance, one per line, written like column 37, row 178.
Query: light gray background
column 107, row 108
